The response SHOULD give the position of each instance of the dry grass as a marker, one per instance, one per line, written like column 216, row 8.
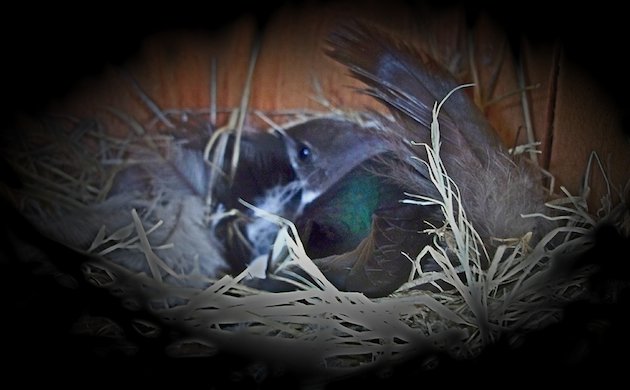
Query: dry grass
column 316, row 326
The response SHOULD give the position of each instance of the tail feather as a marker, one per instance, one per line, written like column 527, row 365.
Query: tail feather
column 409, row 83
column 496, row 188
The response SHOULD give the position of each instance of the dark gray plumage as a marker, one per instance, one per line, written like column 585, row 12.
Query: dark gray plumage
column 496, row 188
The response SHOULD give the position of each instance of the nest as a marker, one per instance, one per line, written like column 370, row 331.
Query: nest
column 515, row 288
column 333, row 333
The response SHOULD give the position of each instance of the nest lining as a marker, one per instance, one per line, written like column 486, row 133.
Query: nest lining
column 317, row 326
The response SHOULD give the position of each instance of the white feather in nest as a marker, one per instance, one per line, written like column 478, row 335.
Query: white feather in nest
column 261, row 232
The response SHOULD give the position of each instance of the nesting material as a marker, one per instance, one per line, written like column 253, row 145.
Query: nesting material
column 514, row 288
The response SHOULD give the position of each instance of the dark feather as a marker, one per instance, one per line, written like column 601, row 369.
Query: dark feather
column 378, row 266
column 496, row 188
column 410, row 82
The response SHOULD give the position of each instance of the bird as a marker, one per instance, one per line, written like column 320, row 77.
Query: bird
column 354, row 177
column 350, row 218
column 340, row 181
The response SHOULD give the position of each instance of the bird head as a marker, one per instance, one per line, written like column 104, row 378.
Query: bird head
column 322, row 151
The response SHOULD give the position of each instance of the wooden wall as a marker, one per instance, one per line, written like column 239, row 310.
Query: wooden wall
column 571, row 114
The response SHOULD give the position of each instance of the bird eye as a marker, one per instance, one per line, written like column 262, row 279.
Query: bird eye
column 304, row 153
